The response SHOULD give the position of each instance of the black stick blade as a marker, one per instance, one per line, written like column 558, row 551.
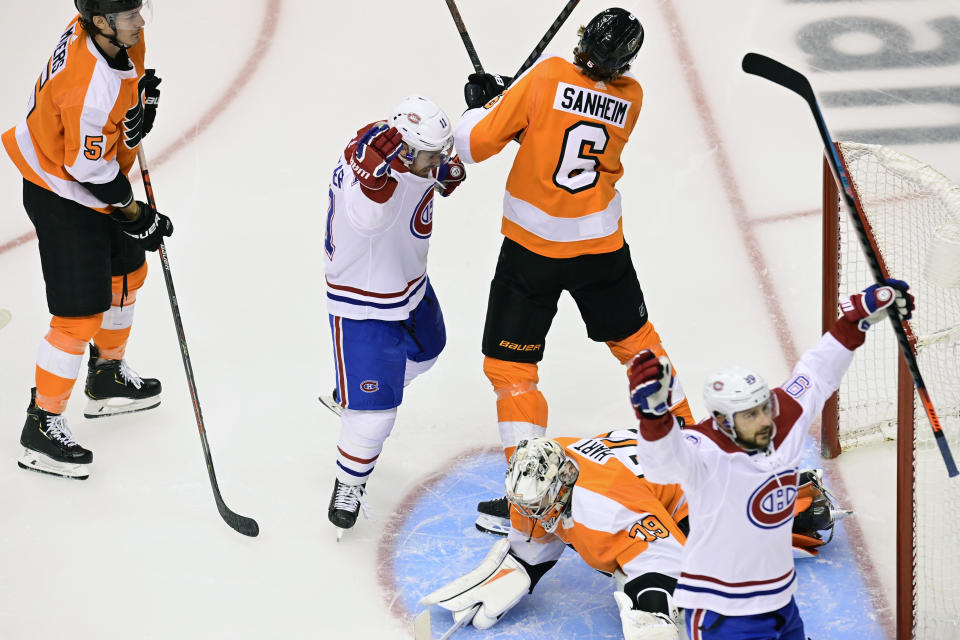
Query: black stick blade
column 240, row 524
column 761, row 65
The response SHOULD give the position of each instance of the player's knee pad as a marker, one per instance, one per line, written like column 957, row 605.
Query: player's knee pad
column 415, row 369
column 367, row 429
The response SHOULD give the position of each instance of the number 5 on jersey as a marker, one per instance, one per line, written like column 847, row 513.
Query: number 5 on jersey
column 93, row 147
column 582, row 145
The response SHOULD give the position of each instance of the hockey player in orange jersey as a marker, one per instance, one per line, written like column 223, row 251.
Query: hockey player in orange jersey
column 561, row 215
column 588, row 494
column 90, row 107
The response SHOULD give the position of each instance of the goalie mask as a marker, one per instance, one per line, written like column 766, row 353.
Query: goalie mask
column 424, row 127
column 540, row 480
column 733, row 390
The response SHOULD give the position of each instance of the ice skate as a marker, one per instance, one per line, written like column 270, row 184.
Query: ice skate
column 330, row 402
column 494, row 516
column 49, row 446
column 345, row 505
column 114, row 388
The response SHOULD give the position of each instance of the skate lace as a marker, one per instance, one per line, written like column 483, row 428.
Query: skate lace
column 58, row 430
column 129, row 375
column 348, row 497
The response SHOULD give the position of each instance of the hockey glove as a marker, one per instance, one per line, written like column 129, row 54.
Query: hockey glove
column 496, row 586
column 481, row 88
column 375, row 150
column 151, row 98
column 651, row 384
column 869, row 307
column 450, row 174
column 149, row 227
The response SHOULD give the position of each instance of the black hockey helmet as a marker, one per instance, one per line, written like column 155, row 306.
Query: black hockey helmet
column 90, row 8
column 610, row 42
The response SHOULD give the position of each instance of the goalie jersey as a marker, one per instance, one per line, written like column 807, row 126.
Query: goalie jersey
column 738, row 559
column 616, row 518
column 376, row 251
column 560, row 199
column 83, row 123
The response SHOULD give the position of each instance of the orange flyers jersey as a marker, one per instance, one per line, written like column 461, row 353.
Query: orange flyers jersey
column 616, row 518
column 560, row 199
column 77, row 128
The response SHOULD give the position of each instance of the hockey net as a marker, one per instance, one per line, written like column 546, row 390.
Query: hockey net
column 912, row 216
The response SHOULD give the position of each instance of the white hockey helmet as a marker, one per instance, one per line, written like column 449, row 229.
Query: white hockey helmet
column 539, row 481
column 732, row 390
column 424, row 127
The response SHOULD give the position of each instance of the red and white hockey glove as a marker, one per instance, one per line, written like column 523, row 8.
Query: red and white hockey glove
column 450, row 174
column 370, row 160
column 651, row 384
column 869, row 307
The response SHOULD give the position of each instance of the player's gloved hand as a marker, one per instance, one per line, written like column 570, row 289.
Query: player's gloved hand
column 869, row 307
column 375, row 150
column 149, row 227
column 450, row 174
column 151, row 98
column 496, row 585
column 481, row 88
column 651, row 384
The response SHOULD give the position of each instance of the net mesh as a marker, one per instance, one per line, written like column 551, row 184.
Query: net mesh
column 913, row 211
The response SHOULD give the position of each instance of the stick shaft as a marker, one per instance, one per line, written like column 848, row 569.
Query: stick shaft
column 467, row 42
column 548, row 36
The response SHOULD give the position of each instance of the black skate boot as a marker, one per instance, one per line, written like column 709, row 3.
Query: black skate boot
column 345, row 505
column 494, row 516
column 49, row 446
column 115, row 388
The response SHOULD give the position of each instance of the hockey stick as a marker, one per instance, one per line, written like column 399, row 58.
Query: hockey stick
column 422, row 630
column 462, row 28
column 548, row 36
column 242, row 524
column 795, row 81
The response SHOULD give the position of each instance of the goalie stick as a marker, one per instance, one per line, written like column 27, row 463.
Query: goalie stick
column 779, row 73
column 422, row 630
column 242, row 524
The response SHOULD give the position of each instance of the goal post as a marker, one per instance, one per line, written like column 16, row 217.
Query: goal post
column 912, row 217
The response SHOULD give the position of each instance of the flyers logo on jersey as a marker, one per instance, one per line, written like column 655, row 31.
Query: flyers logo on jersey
column 421, row 224
column 771, row 505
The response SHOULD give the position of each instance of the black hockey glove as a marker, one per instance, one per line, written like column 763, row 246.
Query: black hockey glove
column 151, row 98
column 481, row 88
column 148, row 229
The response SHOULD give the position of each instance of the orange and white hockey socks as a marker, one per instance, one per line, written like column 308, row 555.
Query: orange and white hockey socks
column 521, row 407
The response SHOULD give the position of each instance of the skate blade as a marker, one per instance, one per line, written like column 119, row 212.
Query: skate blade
column 118, row 406
column 331, row 404
column 340, row 532
column 492, row 524
column 33, row 461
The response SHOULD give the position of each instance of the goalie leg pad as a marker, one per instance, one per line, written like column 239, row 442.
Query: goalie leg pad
column 496, row 585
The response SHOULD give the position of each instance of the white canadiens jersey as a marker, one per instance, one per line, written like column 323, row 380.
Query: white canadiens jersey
column 376, row 252
column 738, row 558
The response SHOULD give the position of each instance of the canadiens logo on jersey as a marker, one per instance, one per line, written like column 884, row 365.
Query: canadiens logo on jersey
column 421, row 224
column 771, row 505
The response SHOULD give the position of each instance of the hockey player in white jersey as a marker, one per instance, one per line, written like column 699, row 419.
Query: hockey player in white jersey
column 385, row 320
column 737, row 577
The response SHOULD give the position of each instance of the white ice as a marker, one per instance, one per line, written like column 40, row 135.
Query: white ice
column 258, row 98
